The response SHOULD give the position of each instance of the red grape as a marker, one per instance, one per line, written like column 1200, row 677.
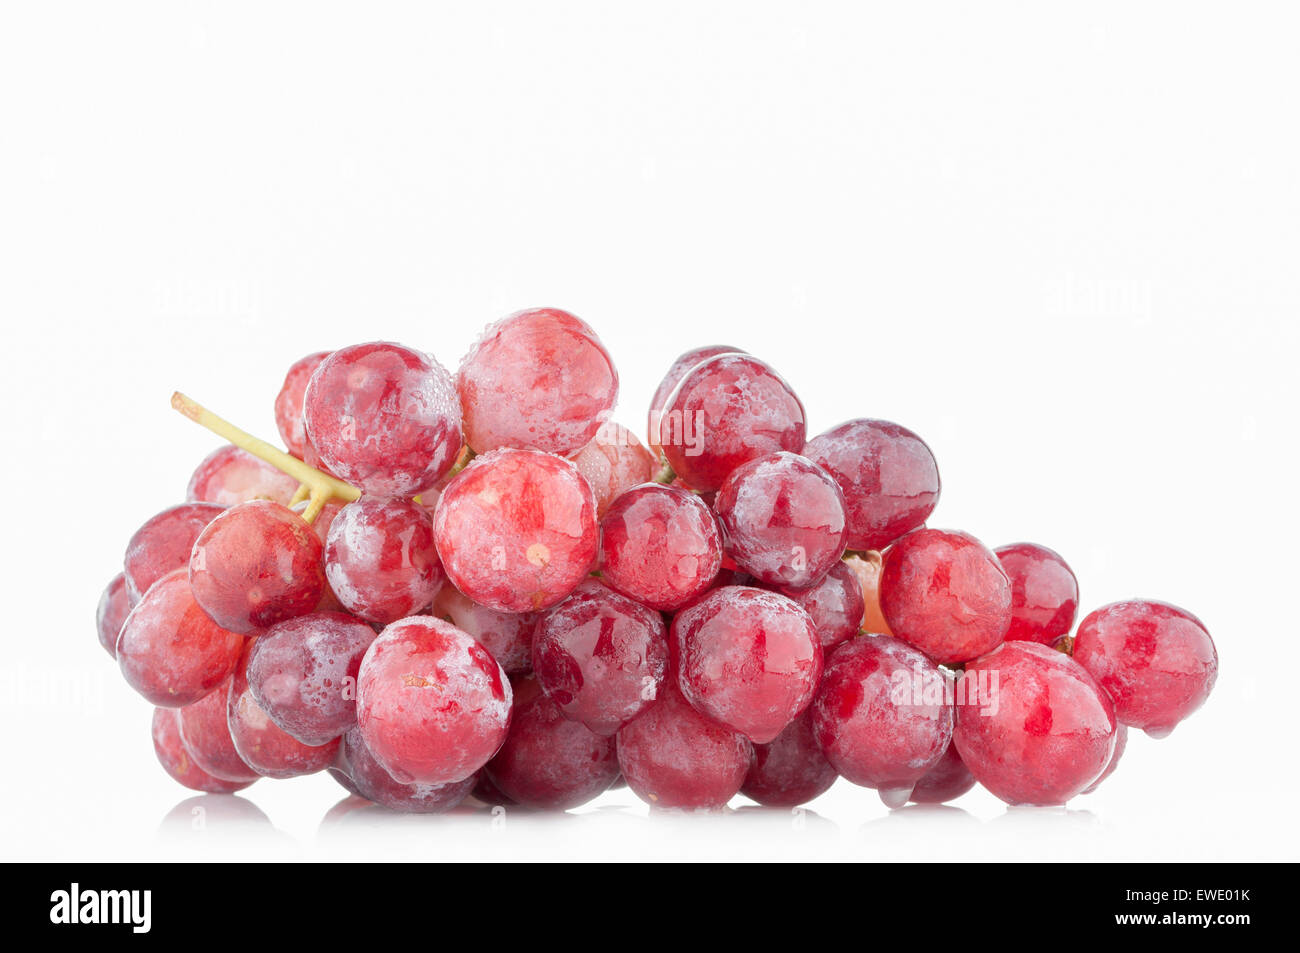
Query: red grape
column 255, row 565
column 1121, row 742
column 432, row 705
column 536, row 380
column 661, row 546
column 948, row 780
column 783, row 519
column 164, row 543
column 262, row 744
column 516, row 530
column 883, row 715
column 613, row 463
column 549, row 761
column 289, row 402
column 115, row 605
column 1044, row 593
column 600, row 657
column 380, row 560
column 747, row 658
column 888, row 475
column 729, row 410
column 169, row 650
column 673, row 757
column 369, row 780
column 230, row 475
column 680, row 367
column 943, row 592
column 507, row 635
column 791, row 769
column 1032, row 725
column 835, row 605
column 1157, row 662
column 303, row 674
column 177, row 762
column 384, row 418
column 205, row 733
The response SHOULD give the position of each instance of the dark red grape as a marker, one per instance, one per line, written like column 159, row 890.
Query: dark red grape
column 549, row 761
column 536, row 380
column 369, row 780
column 945, row 593
column 883, row 715
column 783, row 519
column 255, row 565
column 303, row 674
column 1032, row 725
column 164, row 543
column 516, row 530
column 673, row 757
column 729, row 410
column 791, row 769
column 169, row 650
column 115, row 605
column 888, row 475
column 176, row 761
column 432, row 705
column 661, row 546
column 289, row 402
column 747, row 658
column 1044, row 593
column 946, row 781
column 835, row 605
column 384, row 418
column 230, row 475
column 380, row 560
column 1157, row 662
column 601, row 657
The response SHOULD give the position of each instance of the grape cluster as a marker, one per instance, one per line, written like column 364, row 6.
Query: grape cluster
column 477, row 586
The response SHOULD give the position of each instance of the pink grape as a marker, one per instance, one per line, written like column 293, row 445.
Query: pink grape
column 432, row 705
column 729, row 410
column 613, row 463
column 262, row 744
column 836, row 604
column 1044, row 593
column 230, row 475
column 380, row 560
column 660, row 546
column 1121, row 742
column 115, row 605
column 679, row 369
column 170, row 651
column 164, row 543
column 888, row 475
column 384, row 418
column 303, row 674
column 536, row 380
column 177, row 762
column 600, row 657
column 783, row 519
column 507, row 635
column 516, row 530
column 367, row 778
column 883, row 715
column 747, row 658
column 205, row 733
column 289, row 402
column 255, row 565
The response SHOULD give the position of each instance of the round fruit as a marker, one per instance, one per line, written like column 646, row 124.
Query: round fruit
column 1044, row 593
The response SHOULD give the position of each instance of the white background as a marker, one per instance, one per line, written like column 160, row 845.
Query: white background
column 1061, row 244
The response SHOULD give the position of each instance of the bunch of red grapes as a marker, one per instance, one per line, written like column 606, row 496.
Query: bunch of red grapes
column 474, row 585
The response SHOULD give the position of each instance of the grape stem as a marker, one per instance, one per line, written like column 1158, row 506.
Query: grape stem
column 316, row 487
column 666, row 475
